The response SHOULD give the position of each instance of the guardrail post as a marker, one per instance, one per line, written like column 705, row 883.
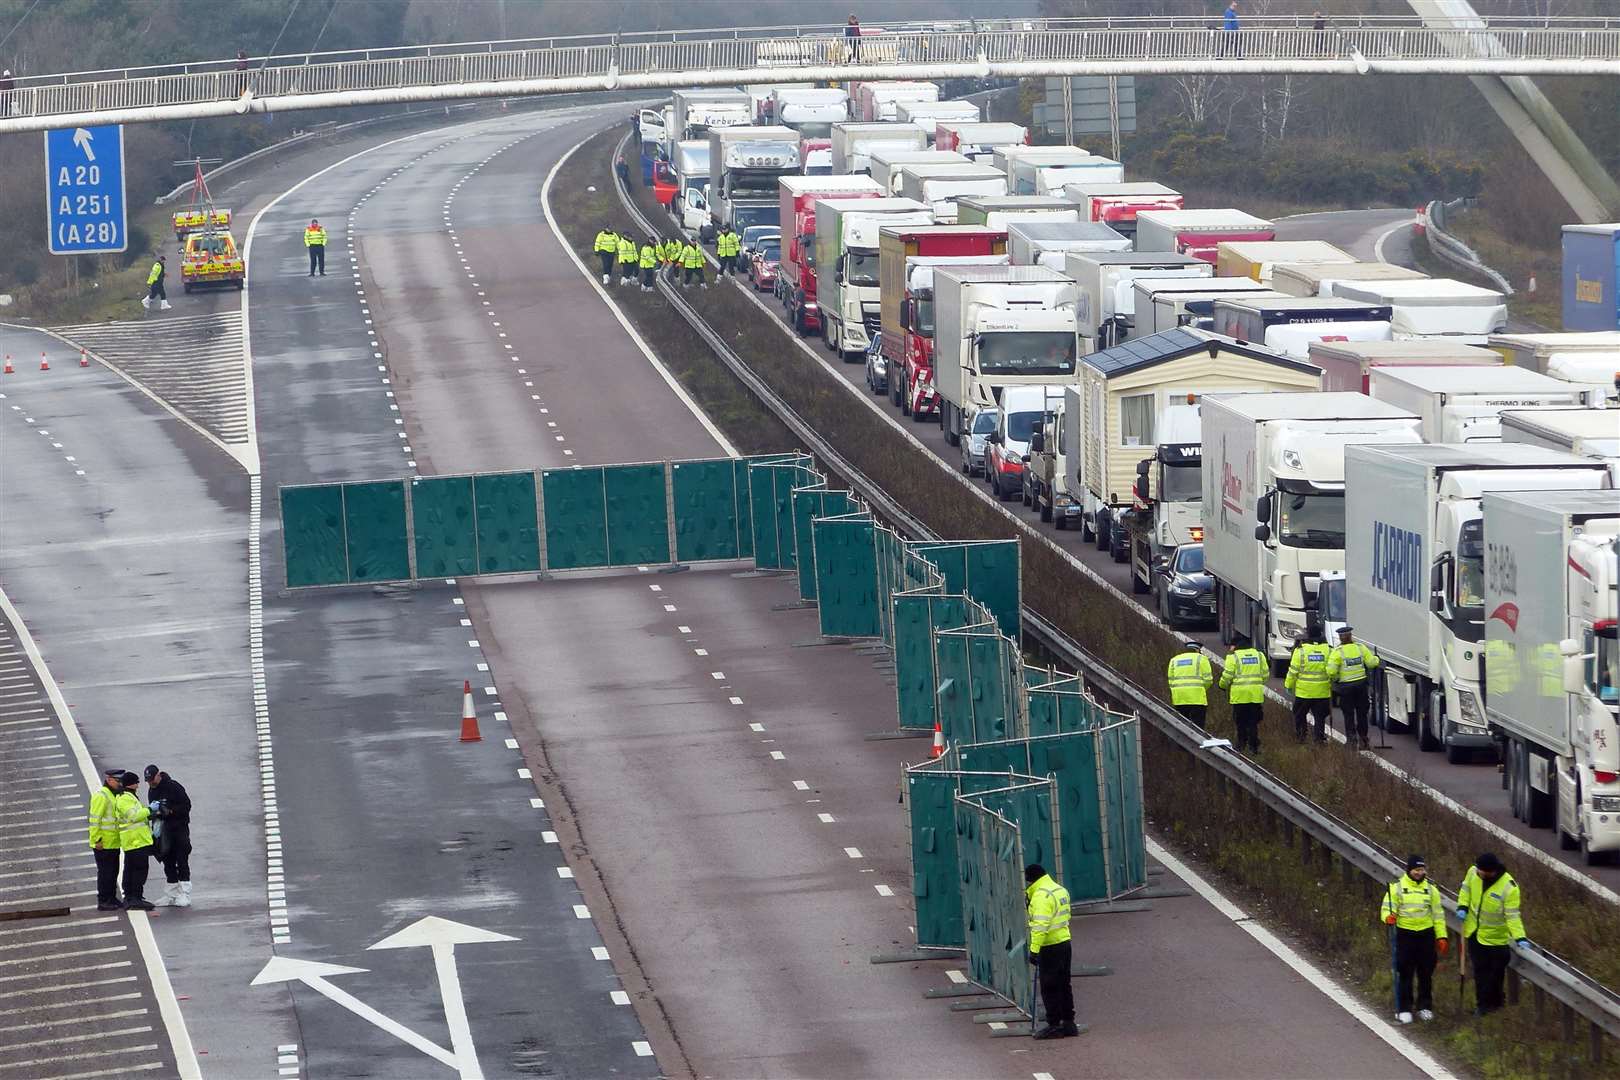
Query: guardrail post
column 1595, row 1044
column 1304, row 848
column 1513, row 999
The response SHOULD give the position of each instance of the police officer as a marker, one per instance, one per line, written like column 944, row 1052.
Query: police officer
column 672, row 259
column 649, row 266
column 1190, row 677
column 1350, row 666
column 1049, row 950
column 1488, row 902
column 727, row 246
column 692, row 262
column 104, row 839
column 1412, row 907
column 1243, row 677
column 629, row 260
column 135, row 839
column 154, row 286
column 174, row 836
column 1309, row 681
column 315, row 241
column 607, row 249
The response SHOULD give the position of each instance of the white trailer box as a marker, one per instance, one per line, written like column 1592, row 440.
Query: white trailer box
column 978, row 141
column 1044, row 243
column 1107, row 299
column 853, row 143
column 1035, row 175
column 1462, row 404
column 930, row 113
column 1198, row 232
column 885, row 165
column 1118, row 204
column 1277, row 460
column 940, row 186
column 1415, row 568
column 1318, row 279
column 696, row 112
column 1536, row 351
column 879, row 101
column 1256, row 258
column 1589, row 369
column 1590, row 433
column 1290, row 324
column 996, row 211
column 1165, row 303
column 1348, row 365
column 811, row 111
column 1434, row 307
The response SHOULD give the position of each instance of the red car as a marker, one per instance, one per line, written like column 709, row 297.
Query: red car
column 763, row 263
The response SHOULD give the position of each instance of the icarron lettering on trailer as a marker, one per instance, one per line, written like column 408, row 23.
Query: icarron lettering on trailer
column 1397, row 561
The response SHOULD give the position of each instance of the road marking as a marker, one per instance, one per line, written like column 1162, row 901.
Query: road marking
column 826, row 819
column 511, row 744
column 565, row 872
column 801, row 785
column 548, row 837
column 537, row 804
column 581, row 911
column 99, row 1053
column 598, row 952
column 718, row 676
column 619, row 997
column 883, row 890
column 642, row 1049
column 756, row 727
column 736, row 701
column 956, row 976
column 777, row 755
column 853, row 852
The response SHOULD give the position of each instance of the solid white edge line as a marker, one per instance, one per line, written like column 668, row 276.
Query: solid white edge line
column 635, row 336
column 1378, row 244
column 1300, row 965
column 185, row 1056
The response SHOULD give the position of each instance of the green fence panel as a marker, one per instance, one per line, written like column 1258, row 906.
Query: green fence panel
column 995, row 695
column 442, row 521
column 637, row 514
column 931, row 797
column 576, row 519
column 992, row 580
column 993, row 909
column 809, row 504
column 1122, row 786
column 708, row 513
column 846, row 591
column 312, row 540
column 375, row 531
column 916, row 618
column 745, row 506
column 1056, row 703
column 772, row 549
column 1027, row 802
column 953, row 688
column 1072, row 759
column 508, row 536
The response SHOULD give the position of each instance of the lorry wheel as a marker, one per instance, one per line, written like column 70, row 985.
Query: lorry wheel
column 1026, row 494
column 1100, row 530
column 1138, row 586
column 1567, row 840
column 1116, row 546
column 1426, row 737
column 1595, row 858
column 1060, row 522
column 897, row 391
column 1046, row 509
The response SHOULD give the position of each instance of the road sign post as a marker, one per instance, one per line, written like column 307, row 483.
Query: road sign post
column 85, row 209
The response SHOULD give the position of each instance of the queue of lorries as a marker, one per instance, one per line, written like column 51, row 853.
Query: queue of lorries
column 1273, row 434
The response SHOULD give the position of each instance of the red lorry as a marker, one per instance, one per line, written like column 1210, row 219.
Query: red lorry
column 796, row 278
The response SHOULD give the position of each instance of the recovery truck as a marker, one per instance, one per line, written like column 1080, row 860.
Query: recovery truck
column 796, row 277
column 1464, row 404
column 847, row 266
column 744, row 165
column 1415, row 564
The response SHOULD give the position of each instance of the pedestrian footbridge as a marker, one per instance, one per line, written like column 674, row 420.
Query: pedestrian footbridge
column 933, row 50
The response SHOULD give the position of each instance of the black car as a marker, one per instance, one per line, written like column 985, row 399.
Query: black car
column 1186, row 591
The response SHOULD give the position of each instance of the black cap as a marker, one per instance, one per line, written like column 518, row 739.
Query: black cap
column 1034, row 872
column 1191, row 643
column 129, row 779
column 1488, row 861
column 116, row 774
column 152, row 771
column 1415, row 861
column 1346, row 629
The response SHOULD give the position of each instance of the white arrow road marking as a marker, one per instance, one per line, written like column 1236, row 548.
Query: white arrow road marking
column 82, row 139
column 312, row 975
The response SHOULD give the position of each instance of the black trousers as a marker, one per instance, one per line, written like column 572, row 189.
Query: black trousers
column 728, row 264
column 607, row 258
column 1490, row 972
column 1414, row 958
column 628, row 270
column 137, row 862
column 1057, row 992
column 175, row 853
column 156, row 291
column 1246, row 715
column 1353, row 701
column 106, row 875
column 1195, row 713
column 647, row 276
column 317, row 258
column 1319, row 709
column 693, row 273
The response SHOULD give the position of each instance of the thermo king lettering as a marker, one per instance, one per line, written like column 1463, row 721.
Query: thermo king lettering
column 1397, row 561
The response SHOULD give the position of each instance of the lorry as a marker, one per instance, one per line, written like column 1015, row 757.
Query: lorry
column 796, row 277
column 1044, row 243
column 1463, row 404
column 744, row 165
column 1273, row 500
column 978, row 141
column 1035, row 173
column 1118, row 204
column 1415, row 567
column 876, row 102
column 1162, row 304
column 853, row 143
column 1552, row 661
column 1348, row 365
column 1125, row 391
column 811, row 111
column 1256, row 259
column 1538, row 352
column 1198, row 233
column 908, row 257
column 817, row 156
column 941, row 185
column 1592, row 277
column 998, row 211
column 885, row 165
column 694, row 113
column 1434, row 307
column 847, row 266
column 998, row 326
column 1591, row 433
column 1107, row 299
column 930, row 113
column 1291, row 323
column 1318, row 279
column 690, row 204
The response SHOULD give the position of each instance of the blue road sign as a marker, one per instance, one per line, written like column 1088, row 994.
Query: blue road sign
column 84, row 190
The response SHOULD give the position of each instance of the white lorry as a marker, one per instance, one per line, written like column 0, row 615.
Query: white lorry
column 1044, row 243
column 1552, row 661
column 1434, row 307
column 1463, row 404
column 1291, row 323
column 1579, row 358
column 1318, row 279
column 690, row 206
column 811, row 111
column 1107, row 298
column 978, row 141
column 1591, row 433
column 1274, row 517
column 745, row 164
column 696, row 112
column 853, row 143
column 884, row 165
column 1415, row 567
column 1348, row 365
column 941, row 185
column 847, row 284
column 930, row 113
column 1034, row 173
column 997, row 326
column 1162, row 304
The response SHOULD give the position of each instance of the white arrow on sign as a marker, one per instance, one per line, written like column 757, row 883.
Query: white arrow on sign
column 82, row 139
column 440, row 935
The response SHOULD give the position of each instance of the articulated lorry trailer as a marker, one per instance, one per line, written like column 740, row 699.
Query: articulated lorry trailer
column 885, row 165
column 1415, row 566
column 1118, row 204
column 853, row 143
column 1274, row 514
column 847, row 286
column 1590, row 433
column 796, row 277
column 697, row 112
column 1107, row 296
column 1464, row 404
column 1552, row 660
column 978, row 141
column 1198, row 233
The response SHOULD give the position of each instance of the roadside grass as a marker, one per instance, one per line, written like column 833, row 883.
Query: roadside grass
column 1339, row 918
column 1516, row 262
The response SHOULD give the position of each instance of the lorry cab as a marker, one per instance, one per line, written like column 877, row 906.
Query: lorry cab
column 665, row 186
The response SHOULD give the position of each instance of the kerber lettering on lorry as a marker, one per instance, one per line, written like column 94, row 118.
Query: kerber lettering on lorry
column 1397, row 561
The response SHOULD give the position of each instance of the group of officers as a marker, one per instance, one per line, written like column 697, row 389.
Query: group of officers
column 678, row 258
column 1316, row 673
column 124, row 827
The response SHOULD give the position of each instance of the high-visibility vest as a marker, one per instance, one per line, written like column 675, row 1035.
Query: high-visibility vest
column 1308, row 671
column 692, row 257
column 1048, row 913
column 156, row 275
column 133, row 830
column 1190, row 676
column 607, row 241
column 627, row 250
column 1493, row 912
column 648, row 258
column 314, row 237
column 727, row 244
column 104, row 818
column 1244, row 676
column 1350, row 664
column 1415, row 905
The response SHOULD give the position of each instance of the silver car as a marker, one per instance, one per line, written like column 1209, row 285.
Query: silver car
column 979, row 425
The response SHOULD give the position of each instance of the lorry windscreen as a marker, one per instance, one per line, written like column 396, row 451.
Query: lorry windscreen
column 1182, row 483
column 861, row 268
column 1470, row 598
column 924, row 324
column 1020, row 425
column 813, row 129
column 1311, row 520
column 1331, row 600
column 1042, row 352
column 743, row 215
column 1604, row 675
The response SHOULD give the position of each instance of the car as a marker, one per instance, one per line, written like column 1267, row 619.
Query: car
column 761, row 264
column 1185, row 590
column 754, row 235
column 877, row 367
column 975, row 439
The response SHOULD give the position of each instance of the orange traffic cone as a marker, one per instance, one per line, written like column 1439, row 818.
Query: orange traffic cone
column 469, row 718
column 9, row 370
column 84, row 358
column 44, row 364
column 939, row 740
